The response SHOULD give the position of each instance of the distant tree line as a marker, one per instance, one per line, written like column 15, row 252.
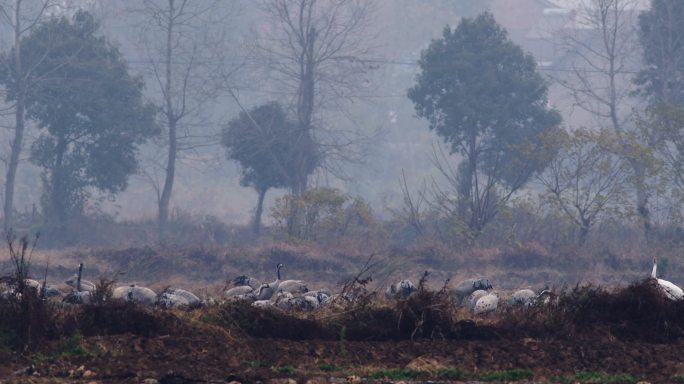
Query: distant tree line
column 478, row 91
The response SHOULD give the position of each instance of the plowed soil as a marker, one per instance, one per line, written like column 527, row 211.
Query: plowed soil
column 212, row 356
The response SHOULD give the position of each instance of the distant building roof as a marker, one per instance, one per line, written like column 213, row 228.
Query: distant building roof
column 579, row 4
column 540, row 19
column 518, row 15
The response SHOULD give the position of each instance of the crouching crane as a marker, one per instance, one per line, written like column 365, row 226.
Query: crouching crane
column 135, row 294
column 178, row 298
column 486, row 304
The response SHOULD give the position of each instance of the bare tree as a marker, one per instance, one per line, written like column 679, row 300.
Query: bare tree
column 479, row 202
column 185, row 44
column 316, row 52
column 585, row 181
column 412, row 211
column 603, row 52
column 22, row 16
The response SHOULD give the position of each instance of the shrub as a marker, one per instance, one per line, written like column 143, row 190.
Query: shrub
column 304, row 216
column 326, row 215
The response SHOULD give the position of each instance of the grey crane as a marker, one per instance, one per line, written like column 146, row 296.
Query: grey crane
column 237, row 291
column 466, row 287
column 177, row 298
column 401, row 290
column 136, row 294
column 244, row 280
column 522, row 297
column 292, row 286
column 78, row 283
column 486, row 304
column 474, row 297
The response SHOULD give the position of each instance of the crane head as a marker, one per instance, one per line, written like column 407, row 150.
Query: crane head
column 482, row 284
column 241, row 280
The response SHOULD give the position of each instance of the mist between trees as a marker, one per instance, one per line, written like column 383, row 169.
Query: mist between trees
column 569, row 132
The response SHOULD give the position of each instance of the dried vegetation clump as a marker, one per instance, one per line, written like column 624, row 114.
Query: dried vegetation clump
column 427, row 313
column 114, row 318
column 639, row 312
column 265, row 322
column 636, row 313
column 25, row 316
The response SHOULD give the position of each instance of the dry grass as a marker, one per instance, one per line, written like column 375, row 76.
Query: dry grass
column 206, row 269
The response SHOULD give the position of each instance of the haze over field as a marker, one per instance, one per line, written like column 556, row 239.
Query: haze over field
column 200, row 69
column 397, row 32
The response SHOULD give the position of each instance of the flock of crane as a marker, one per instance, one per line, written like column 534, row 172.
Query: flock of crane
column 476, row 294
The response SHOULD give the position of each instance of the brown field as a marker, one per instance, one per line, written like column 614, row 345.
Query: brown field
column 591, row 334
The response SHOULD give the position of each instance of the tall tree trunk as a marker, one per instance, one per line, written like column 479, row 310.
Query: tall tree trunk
column 57, row 210
column 172, row 120
column 295, row 214
column 305, row 102
column 470, row 187
column 259, row 210
column 305, row 107
column 585, row 226
column 636, row 164
column 165, row 199
column 642, row 197
column 13, row 164
column 8, row 208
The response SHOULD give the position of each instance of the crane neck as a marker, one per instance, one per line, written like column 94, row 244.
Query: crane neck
column 653, row 272
column 78, row 279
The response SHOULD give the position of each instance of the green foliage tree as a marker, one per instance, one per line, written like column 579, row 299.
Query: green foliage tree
column 661, row 34
column 482, row 95
column 89, row 110
column 661, row 83
column 269, row 146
